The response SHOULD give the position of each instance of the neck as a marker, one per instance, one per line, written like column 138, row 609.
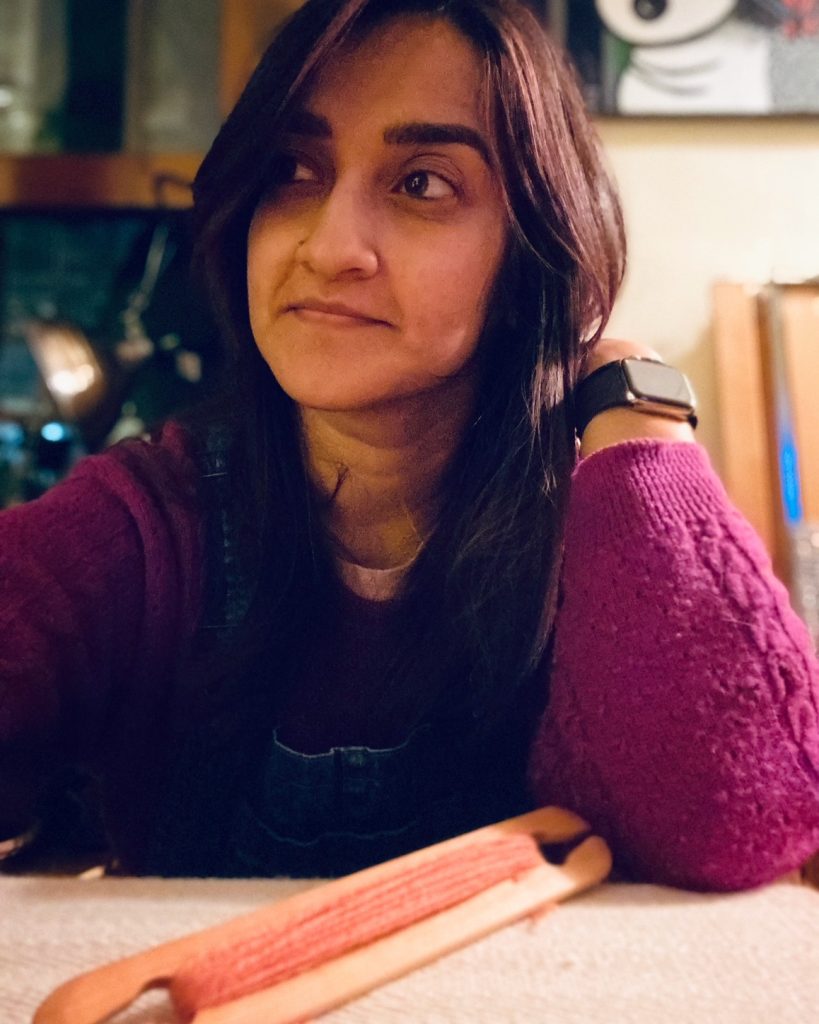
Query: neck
column 382, row 470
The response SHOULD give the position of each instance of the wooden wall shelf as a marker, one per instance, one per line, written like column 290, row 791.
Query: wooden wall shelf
column 115, row 179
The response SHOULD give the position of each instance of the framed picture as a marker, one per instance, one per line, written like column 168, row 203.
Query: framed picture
column 693, row 57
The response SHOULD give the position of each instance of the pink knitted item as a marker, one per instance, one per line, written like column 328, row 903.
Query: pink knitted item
column 265, row 957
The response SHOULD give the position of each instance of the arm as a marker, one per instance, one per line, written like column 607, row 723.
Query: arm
column 683, row 717
column 98, row 581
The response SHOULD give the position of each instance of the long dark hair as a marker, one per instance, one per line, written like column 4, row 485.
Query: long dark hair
column 478, row 605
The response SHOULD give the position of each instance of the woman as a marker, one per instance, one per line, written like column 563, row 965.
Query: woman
column 358, row 609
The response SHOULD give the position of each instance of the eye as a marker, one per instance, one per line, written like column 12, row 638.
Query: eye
column 648, row 10
column 426, row 185
column 288, row 169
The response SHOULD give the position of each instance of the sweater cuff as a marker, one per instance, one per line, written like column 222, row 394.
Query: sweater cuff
column 640, row 486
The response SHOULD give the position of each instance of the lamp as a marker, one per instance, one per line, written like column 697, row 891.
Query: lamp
column 70, row 369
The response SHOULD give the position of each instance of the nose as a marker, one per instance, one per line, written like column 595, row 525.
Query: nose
column 340, row 236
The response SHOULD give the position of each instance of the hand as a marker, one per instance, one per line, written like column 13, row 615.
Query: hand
column 608, row 350
column 621, row 423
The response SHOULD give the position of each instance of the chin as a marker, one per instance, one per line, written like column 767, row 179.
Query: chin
column 403, row 397
column 328, row 395
column 331, row 385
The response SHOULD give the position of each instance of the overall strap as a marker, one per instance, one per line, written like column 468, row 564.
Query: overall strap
column 227, row 587
column 206, row 758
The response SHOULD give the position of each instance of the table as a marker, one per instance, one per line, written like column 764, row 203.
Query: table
column 620, row 954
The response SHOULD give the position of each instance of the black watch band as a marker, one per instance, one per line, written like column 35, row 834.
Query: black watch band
column 645, row 385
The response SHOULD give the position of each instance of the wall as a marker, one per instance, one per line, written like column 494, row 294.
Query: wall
column 706, row 199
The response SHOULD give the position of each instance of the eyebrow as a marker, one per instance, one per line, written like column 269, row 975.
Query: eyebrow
column 413, row 133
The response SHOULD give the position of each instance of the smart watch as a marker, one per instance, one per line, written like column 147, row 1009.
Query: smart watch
column 645, row 385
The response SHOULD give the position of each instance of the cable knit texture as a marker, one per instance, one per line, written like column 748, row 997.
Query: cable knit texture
column 683, row 710
column 682, row 718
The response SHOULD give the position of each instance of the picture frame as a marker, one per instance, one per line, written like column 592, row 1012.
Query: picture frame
column 692, row 58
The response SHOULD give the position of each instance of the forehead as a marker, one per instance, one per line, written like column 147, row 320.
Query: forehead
column 409, row 68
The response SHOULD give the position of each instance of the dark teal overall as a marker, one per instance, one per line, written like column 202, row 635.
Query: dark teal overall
column 232, row 811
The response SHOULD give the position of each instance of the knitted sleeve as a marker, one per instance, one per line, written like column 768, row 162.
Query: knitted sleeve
column 683, row 717
column 99, row 583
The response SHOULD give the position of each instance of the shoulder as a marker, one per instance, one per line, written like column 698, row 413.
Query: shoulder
column 164, row 463
column 171, row 444
column 119, row 541
column 137, row 498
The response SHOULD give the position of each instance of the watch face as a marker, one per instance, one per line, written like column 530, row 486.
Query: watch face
column 658, row 382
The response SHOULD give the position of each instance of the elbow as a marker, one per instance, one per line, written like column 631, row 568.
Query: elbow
column 723, row 850
column 721, row 836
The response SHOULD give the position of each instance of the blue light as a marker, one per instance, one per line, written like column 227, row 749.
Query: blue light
column 12, row 434
column 789, row 471
column 54, row 432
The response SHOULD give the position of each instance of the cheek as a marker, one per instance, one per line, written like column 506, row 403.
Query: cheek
column 450, row 299
column 268, row 257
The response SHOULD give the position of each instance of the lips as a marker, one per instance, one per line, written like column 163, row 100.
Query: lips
column 332, row 312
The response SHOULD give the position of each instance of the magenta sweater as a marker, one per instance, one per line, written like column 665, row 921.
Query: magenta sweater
column 683, row 718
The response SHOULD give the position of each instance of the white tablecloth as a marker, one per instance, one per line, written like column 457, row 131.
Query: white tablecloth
column 620, row 954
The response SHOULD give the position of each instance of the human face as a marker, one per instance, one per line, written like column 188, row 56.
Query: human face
column 371, row 261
